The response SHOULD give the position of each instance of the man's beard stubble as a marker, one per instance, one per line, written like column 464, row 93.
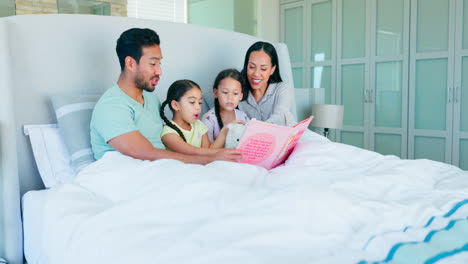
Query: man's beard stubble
column 141, row 84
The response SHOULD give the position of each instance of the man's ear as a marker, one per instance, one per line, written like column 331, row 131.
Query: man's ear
column 130, row 63
column 175, row 105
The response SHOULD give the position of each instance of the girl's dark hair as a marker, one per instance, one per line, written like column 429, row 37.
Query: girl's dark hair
column 271, row 51
column 175, row 92
column 229, row 73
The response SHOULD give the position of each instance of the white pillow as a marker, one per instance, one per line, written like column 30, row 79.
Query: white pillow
column 51, row 154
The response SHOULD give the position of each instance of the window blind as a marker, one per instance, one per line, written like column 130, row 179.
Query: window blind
column 167, row 10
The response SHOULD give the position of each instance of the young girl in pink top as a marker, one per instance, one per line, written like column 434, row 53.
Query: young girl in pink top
column 228, row 93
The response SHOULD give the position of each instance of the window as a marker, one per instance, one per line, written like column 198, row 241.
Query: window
column 7, row 8
column 83, row 7
column 167, row 10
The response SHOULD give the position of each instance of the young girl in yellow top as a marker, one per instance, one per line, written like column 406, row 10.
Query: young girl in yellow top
column 185, row 133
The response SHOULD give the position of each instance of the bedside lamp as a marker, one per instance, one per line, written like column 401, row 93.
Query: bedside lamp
column 327, row 116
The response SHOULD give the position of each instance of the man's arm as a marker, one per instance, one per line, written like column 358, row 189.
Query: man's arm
column 135, row 145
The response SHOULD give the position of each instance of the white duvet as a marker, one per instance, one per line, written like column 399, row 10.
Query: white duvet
column 330, row 203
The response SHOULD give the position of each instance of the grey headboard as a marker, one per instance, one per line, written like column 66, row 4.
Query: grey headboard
column 42, row 55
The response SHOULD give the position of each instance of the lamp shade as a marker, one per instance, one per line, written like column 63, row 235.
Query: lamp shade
column 327, row 116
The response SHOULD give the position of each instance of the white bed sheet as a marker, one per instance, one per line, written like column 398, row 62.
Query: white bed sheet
column 34, row 203
column 330, row 203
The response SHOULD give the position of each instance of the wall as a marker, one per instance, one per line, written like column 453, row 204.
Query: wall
column 212, row 13
column 258, row 18
column 245, row 17
column 268, row 20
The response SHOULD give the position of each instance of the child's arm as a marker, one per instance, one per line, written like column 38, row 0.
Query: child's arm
column 177, row 144
column 221, row 139
column 218, row 143
column 205, row 143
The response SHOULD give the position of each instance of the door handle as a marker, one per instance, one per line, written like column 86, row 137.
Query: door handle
column 457, row 90
column 371, row 96
column 449, row 96
column 365, row 95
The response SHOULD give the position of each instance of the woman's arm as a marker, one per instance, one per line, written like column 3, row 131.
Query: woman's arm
column 282, row 114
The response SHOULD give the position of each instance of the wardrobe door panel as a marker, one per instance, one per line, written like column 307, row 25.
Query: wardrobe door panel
column 388, row 94
column 321, row 31
column 431, row 94
column 432, row 74
column 432, row 25
column 297, row 76
column 293, row 36
column 430, row 148
column 352, row 85
column 353, row 138
column 462, row 96
column 321, row 77
column 465, row 25
column 354, row 29
column 390, row 27
column 388, row 144
column 463, row 154
column 293, row 18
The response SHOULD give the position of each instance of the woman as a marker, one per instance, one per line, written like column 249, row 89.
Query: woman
column 267, row 98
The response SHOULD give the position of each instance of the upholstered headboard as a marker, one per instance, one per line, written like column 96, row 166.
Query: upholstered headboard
column 42, row 55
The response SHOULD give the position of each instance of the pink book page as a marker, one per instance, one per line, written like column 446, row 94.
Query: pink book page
column 262, row 142
column 268, row 145
column 299, row 129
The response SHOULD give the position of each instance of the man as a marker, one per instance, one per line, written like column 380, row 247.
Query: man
column 126, row 117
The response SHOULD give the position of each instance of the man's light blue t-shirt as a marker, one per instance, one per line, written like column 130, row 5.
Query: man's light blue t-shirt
column 117, row 113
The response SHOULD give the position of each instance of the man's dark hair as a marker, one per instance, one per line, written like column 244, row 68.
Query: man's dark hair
column 131, row 42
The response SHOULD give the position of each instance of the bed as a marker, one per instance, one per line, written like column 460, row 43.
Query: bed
column 329, row 203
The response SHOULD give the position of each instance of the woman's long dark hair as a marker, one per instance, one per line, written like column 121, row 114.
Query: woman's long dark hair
column 269, row 49
column 229, row 73
column 175, row 92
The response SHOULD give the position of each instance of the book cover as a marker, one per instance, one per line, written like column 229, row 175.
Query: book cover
column 269, row 145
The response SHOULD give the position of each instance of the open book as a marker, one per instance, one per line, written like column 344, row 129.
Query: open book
column 269, row 145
